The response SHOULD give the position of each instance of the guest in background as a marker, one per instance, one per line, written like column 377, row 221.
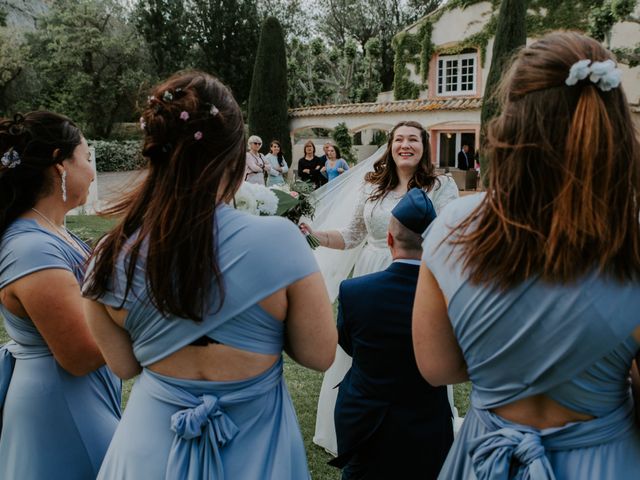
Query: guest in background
column 335, row 164
column 278, row 167
column 325, row 147
column 309, row 166
column 390, row 422
column 256, row 165
column 60, row 405
column 532, row 290
column 465, row 158
column 182, row 296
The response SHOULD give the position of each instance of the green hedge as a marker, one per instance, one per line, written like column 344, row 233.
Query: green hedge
column 117, row 156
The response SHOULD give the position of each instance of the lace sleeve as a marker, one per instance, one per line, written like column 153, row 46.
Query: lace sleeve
column 355, row 233
column 445, row 193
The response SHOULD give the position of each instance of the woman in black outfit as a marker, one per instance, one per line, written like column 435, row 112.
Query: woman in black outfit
column 309, row 166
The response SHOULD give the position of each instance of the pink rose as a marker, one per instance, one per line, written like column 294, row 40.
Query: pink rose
column 198, row 135
column 294, row 194
column 184, row 116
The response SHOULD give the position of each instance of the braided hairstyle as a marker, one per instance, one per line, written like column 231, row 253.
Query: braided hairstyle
column 29, row 145
column 195, row 146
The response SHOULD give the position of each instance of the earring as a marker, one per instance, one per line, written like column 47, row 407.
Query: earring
column 64, row 185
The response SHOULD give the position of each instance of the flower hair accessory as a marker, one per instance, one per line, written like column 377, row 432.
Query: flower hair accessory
column 605, row 74
column 213, row 111
column 198, row 135
column 10, row 159
column 184, row 115
column 143, row 124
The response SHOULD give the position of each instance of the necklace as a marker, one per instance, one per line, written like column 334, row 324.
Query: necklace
column 62, row 232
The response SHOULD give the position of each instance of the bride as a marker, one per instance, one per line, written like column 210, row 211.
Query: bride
column 360, row 204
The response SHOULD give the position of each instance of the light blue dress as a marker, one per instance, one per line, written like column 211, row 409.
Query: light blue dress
column 332, row 172
column 570, row 342
column 275, row 177
column 54, row 425
column 187, row 429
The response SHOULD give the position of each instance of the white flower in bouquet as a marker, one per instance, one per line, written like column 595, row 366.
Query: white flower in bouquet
column 245, row 200
column 266, row 199
column 256, row 199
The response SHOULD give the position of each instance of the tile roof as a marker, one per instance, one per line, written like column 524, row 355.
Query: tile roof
column 420, row 105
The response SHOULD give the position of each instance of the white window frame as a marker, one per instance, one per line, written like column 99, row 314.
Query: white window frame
column 447, row 61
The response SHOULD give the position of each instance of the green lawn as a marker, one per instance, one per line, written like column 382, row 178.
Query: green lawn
column 304, row 384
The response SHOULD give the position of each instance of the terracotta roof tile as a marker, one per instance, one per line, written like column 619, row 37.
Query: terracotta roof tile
column 386, row 107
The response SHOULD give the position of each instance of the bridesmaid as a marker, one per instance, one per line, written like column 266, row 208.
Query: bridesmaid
column 183, row 297
column 60, row 405
column 532, row 290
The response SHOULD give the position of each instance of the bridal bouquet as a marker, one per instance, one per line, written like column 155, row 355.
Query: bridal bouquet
column 289, row 201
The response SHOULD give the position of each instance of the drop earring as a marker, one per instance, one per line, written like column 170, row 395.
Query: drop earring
column 64, row 185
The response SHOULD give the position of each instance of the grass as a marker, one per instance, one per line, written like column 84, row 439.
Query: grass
column 303, row 384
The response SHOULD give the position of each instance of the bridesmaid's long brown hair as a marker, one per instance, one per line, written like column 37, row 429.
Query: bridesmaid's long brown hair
column 195, row 146
column 564, row 175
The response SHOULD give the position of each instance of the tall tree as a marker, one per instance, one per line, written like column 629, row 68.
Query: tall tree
column 13, row 60
column 226, row 33
column 362, row 20
column 511, row 34
column 164, row 24
column 319, row 74
column 89, row 62
column 268, row 110
column 293, row 15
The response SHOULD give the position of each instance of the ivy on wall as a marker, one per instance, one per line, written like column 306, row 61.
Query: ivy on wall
column 427, row 50
column 593, row 16
column 407, row 48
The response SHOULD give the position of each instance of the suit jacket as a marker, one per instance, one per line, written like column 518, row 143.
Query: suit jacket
column 465, row 162
column 384, row 404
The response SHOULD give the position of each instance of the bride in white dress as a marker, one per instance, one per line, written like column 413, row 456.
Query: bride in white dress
column 352, row 216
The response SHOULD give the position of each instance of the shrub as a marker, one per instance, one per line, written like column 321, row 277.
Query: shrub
column 342, row 138
column 117, row 156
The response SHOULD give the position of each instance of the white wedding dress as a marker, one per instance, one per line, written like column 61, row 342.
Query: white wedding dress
column 343, row 205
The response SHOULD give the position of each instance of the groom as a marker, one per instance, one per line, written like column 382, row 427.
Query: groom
column 390, row 422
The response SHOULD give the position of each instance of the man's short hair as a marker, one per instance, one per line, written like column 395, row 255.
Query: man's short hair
column 404, row 238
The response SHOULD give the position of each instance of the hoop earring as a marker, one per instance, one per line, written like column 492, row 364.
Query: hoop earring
column 64, row 185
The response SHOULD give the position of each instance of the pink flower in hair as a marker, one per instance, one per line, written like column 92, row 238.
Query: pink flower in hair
column 198, row 135
column 143, row 124
column 184, row 115
column 294, row 194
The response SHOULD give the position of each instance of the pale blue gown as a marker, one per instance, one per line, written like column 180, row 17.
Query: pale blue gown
column 570, row 342
column 54, row 425
column 174, row 428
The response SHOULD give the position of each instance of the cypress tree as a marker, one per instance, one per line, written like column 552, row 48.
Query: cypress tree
column 268, row 109
column 511, row 34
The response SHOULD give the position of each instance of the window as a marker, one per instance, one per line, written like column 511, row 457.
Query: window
column 457, row 74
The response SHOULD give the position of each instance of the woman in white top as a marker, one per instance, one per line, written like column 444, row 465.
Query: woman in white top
column 257, row 166
column 278, row 164
column 405, row 164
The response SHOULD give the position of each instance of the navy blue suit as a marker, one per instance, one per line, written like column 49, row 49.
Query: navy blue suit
column 389, row 421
